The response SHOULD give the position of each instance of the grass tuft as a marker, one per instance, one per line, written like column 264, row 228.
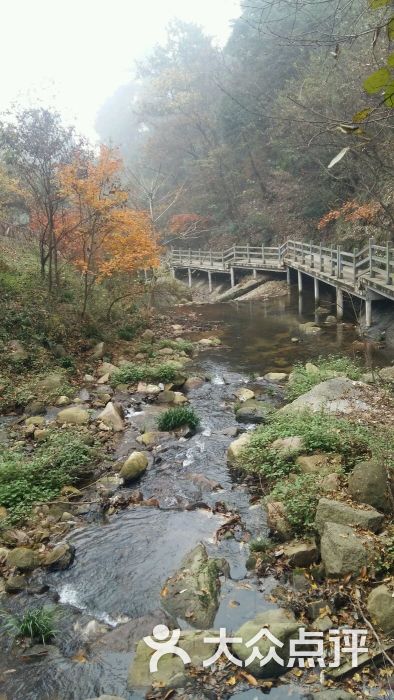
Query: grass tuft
column 37, row 624
column 176, row 417
column 132, row 373
column 328, row 367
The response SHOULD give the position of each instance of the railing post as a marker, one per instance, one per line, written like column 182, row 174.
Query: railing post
column 388, row 256
column 355, row 253
column 311, row 254
column 190, row 256
column 339, row 263
column 321, row 258
column 200, row 254
column 262, row 254
column 371, row 244
column 302, row 254
column 223, row 259
column 210, row 258
column 248, row 252
column 332, row 261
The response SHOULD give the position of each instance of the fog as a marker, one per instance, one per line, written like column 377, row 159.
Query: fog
column 72, row 55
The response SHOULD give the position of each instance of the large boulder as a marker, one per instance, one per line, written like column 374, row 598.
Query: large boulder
column 23, row 559
column 329, row 510
column 236, row 448
column 342, row 551
column 52, row 382
column 251, row 411
column 73, row 416
column 281, row 624
column 192, row 593
column 192, row 383
column 338, row 395
column 276, row 377
column 59, row 558
column 111, row 417
column 134, row 466
column 171, row 671
column 387, row 374
column 369, row 483
column 321, row 463
column 380, row 606
column 301, row 553
column 106, row 369
column 244, row 394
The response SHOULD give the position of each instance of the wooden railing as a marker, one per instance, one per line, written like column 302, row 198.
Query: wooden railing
column 373, row 261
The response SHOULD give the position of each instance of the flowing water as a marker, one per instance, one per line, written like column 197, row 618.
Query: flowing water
column 112, row 591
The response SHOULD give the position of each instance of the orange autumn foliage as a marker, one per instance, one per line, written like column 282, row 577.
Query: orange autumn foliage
column 98, row 231
column 351, row 211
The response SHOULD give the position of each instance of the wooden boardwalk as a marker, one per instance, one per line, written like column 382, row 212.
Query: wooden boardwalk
column 367, row 274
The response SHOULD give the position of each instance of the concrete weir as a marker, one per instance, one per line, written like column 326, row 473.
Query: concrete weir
column 367, row 274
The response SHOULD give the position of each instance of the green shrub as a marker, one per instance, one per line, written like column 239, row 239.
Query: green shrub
column 37, row 624
column 176, row 417
column 26, row 479
column 131, row 373
column 300, row 498
column 320, row 433
column 178, row 345
column 260, row 544
column 328, row 367
column 67, row 362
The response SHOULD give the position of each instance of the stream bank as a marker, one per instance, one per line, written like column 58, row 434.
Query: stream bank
column 110, row 597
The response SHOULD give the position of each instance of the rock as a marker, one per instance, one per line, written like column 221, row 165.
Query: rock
column 104, row 379
column 41, row 435
column 387, row 374
column 51, row 382
column 23, row 559
column 88, row 378
column 310, row 328
column 15, row 584
column 301, row 554
column 134, row 466
column 331, row 320
column 331, row 482
column 111, row 417
column 179, row 399
column 243, row 394
column 275, row 377
column 165, row 351
column 281, row 624
column 107, row 697
column 106, row 368
column 151, row 437
column 98, row 351
column 108, row 485
column 17, row 351
column 277, row 520
column 321, row 463
column 333, row 694
column 171, row 673
column 192, row 383
column 251, row 411
column 3, row 513
column 380, row 605
column 59, row 558
column 35, row 408
column 192, row 593
column 235, row 448
column 288, row 446
column 73, row 416
column 148, row 335
column 332, row 511
column 166, row 396
column 205, row 483
column 210, row 342
column 337, row 395
column 369, row 483
column 35, row 420
column 150, row 389
column 63, row 401
column 310, row 368
column 342, row 551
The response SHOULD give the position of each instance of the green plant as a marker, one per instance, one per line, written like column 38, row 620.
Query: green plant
column 25, row 479
column 179, row 345
column 319, row 433
column 299, row 497
column 38, row 624
column 132, row 373
column 260, row 544
column 303, row 378
column 127, row 332
column 176, row 417
column 67, row 362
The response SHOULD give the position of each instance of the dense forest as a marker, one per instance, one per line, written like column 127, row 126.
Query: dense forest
column 235, row 143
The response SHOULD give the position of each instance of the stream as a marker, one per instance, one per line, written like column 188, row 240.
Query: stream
column 110, row 597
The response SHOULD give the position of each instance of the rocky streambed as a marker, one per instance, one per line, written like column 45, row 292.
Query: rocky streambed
column 163, row 536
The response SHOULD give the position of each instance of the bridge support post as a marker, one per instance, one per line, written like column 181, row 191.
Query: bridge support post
column 299, row 282
column 339, row 304
column 210, row 280
column 232, row 277
column 288, row 278
column 317, row 290
column 173, row 272
column 189, row 274
column 368, row 313
column 254, row 273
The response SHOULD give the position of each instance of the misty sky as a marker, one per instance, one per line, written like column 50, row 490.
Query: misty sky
column 72, row 54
